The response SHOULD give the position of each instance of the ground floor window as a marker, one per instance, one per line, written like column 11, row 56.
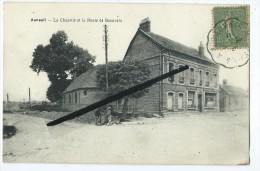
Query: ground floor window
column 191, row 101
column 180, row 101
column 210, row 100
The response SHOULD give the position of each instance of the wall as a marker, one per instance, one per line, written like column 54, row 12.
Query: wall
column 141, row 48
column 233, row 103
column 93, row 95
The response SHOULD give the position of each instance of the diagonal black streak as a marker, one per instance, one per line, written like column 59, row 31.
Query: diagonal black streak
column 116, row 96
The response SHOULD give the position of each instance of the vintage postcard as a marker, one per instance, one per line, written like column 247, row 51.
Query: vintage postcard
column 61, row 58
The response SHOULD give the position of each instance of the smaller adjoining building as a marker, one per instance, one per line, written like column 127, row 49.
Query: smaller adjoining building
column 83, row 91
column 232, row 98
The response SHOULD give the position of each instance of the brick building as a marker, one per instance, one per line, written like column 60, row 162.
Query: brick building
column 196, row 89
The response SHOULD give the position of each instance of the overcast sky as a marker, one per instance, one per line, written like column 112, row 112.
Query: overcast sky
column 187, row 24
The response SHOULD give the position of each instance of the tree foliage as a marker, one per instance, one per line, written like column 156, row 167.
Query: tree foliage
column 61, row 60
column 123, row 75
column 56, row 88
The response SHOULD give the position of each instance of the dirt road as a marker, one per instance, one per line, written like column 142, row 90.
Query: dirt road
column 176, row 139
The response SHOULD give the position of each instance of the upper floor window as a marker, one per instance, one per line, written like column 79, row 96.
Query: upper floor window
column 200, row 78
column 170, row 68
column 85, row 92
column 69, row 98
column 181, row 76
column 215, row 80
column 192, row 78
column 207, row 79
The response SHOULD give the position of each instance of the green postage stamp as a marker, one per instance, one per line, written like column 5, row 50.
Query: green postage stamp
column 231, row 27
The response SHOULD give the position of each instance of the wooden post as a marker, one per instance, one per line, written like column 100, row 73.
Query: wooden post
column 7, row 98
column 30, row 97
column 106, row 65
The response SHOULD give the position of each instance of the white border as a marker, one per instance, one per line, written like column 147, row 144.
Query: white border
column 254, row 100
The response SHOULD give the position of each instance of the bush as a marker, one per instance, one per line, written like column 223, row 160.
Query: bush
column 48, row 108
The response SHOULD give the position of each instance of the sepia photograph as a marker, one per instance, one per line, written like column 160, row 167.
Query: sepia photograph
column 121, row 83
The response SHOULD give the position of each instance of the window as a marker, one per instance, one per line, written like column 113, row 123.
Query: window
column 180, row 101
column 215, row 80
column 85, row 92
column 64, row 98
column 200, row 78
column 69, row 98
column 207, row 79
column 181, row 76
column 210, row 100
column 192, row 79
column 76, row 99
column 170, row 68
column 191, row 102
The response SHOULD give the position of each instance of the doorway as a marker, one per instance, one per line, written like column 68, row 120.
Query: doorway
column 170, row 101
column 180, row 101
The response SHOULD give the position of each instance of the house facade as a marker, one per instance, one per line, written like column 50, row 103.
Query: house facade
column 196, row 89
column 232, row 98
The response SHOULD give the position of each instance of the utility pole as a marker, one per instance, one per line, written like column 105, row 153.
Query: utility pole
column 106, row 57
column 105, row 39
column 30, row 97
column 7, row 98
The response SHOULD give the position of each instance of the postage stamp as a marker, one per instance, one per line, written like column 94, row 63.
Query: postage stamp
column 228, row 40
column 231, row 27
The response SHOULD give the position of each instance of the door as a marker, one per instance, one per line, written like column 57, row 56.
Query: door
column 170, row 101
column 222, row 104
column 200, row 102
column 180, row 101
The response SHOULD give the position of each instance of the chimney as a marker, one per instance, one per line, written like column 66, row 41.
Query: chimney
column 145, row 25
column 201, row 50
column 225, row 82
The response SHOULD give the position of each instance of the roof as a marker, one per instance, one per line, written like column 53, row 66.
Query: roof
column 233, row 91
column 85, row 80
column 175, row 46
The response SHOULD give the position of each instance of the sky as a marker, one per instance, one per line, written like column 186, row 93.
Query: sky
column 187, row 24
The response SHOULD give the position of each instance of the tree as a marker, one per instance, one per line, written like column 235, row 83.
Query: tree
column 121, row 76
column 61, row 60
column 56, row 88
